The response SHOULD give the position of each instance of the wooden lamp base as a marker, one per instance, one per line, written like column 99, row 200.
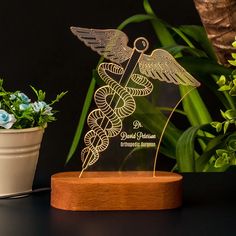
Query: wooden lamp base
column 131, row 190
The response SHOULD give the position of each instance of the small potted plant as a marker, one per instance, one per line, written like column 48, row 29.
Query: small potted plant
column 22, row 124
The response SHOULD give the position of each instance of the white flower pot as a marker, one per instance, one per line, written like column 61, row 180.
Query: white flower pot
column 19, row 151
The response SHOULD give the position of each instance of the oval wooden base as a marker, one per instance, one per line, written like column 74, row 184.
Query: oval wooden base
column 131, row 190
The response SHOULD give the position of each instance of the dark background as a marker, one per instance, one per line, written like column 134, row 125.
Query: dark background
column 37, row 48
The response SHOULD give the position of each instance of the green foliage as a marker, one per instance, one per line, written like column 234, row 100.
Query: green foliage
column 17, row 111
column 225, row 156
column 185, row 150
column 82, row 119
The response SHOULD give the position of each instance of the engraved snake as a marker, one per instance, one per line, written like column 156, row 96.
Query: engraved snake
column 90, row 154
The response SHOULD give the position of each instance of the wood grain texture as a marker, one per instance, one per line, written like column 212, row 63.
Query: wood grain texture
column 131, row 190
column 219, row 20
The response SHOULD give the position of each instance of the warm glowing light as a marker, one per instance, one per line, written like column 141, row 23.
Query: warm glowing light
column 115, row 100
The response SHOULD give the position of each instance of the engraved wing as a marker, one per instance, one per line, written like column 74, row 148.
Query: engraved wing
column 110, row 43
column 162, row 65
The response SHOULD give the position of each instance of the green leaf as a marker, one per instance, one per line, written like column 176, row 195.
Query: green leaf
column 223, row 160
column 35, row 91
column 41, row 95
column 220, row 152
column 82, row 119
column 137, row 155
column 199, row 35
column 223, row 114
column 212, row 168
column 203, row 66
column 230, row 114
column 202, row 162
column 232, row 62
column 166, row 39
column 226, row 125
column 224, row 88
column 159, row 26
column 154, row 121
column 58, row 97
column 194, row 107
column 176, row 49
column 185, row 154
column 135, row 19
column 1, row 84
column 183, row 36
column 221, row 81
column 232, row 92
column 233, row 55
column 2, row 94
column 217, row 125
column 232, row 142
column 202, row 69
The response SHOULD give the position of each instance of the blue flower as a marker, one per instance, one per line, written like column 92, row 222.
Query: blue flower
column 24, row 106
column 47, row 110
column 24, row 98
column 6, row 119
column 37, row 106
column 43, row 107
column 12, row 97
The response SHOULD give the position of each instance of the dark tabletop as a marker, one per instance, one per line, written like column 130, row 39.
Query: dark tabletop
column 209, row 209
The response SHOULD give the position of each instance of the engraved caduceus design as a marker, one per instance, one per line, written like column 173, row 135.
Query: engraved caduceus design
column 115, row 100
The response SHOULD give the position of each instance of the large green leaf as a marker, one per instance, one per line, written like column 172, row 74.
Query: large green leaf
column 82, row 120
column 193, row 102
column 204, row 70
column 154, row 120
column 159, row 27
column 198, row 34
column 202, row 162
column 212, row 168
column 183, row 36
column 203, row 66
column 176, row 49
column 188, row 160
column 194, row 107
column 185, row 154
column 135, row 19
